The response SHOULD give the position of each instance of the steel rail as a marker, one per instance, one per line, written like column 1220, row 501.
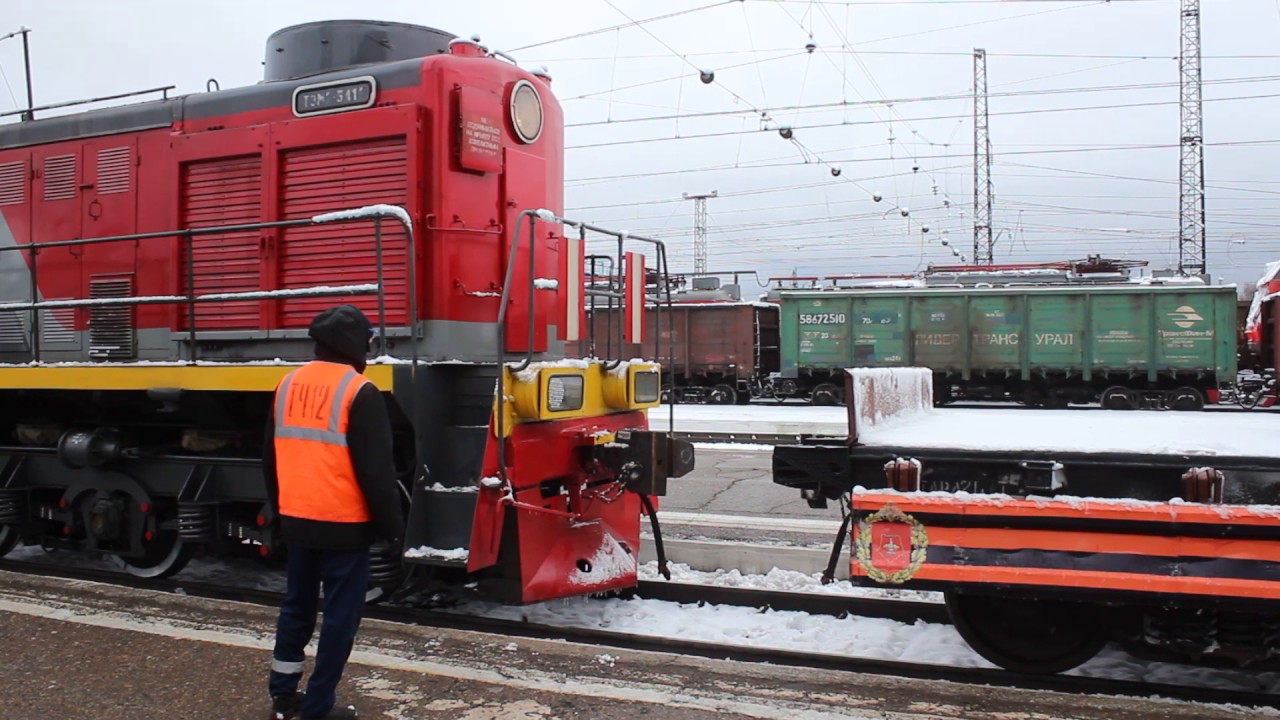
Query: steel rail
column 410, row 615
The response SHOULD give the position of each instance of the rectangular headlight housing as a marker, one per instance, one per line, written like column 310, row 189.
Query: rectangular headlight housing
column 565, row 392
column 646, row 387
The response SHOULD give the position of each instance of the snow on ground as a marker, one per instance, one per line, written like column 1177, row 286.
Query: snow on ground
column 874, row 638
column 781, row 580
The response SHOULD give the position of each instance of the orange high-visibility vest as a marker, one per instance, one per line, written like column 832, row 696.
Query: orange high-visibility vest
column 313, row 464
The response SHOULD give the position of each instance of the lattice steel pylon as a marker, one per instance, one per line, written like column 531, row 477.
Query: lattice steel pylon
column 1191, row 233
column 700, row 230
column 983, row 252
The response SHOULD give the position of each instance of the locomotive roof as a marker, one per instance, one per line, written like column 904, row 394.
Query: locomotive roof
column 157, row 114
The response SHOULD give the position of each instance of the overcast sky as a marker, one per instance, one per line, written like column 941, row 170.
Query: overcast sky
column 1078, row 169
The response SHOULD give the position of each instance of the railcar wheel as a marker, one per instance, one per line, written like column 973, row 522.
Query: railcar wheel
column 1186, row 398
column 1040, row 637
column 8, row 539
column 1118, row 397
column 826, row 394
column 164, row 556
column 722, row 395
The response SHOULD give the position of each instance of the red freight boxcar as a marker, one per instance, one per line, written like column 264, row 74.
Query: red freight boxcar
column 718, row 348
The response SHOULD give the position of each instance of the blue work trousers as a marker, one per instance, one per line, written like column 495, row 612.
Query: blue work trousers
column 344, row 574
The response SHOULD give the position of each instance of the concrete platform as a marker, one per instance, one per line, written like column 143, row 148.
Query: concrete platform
column 75, row 650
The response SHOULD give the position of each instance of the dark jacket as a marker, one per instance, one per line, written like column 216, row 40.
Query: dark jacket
column 341, row 337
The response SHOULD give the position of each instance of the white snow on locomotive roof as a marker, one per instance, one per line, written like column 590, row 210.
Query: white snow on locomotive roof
column 368, row 211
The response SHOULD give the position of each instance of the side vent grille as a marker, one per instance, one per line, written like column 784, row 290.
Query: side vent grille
column 58, row 326
column 13, row 183
column 60, row 177
column 111, row 334
column 113, row 170
column 12, row 331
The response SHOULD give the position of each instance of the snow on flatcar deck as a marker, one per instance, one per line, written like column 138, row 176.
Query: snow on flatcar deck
column 1147, row 432
column 1006, row 428
column 770, row 419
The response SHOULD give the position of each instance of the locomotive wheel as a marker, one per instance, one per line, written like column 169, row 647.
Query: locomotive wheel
column 8, row 539
column 1040, row 637
column 1118, row 397
column 164, row 556
column 722, row 395
column 826, row 394
column 1185, row 398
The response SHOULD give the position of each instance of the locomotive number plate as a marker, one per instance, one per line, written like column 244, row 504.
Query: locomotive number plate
column 334, row 96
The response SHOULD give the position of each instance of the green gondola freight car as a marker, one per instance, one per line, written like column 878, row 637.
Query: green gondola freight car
column 1124, row 346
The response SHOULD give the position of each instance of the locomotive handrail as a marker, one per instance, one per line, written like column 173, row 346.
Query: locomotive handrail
column 533, row 216
column 376, row 213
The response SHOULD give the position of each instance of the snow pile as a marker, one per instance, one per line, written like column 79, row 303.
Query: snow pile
column 781, row 580
column 424, row 551
column 437, row 487
column 610, row 562
column 530, row 373
column 620, row 370
column 368, row 211
column 882, row 395
column 546, row 284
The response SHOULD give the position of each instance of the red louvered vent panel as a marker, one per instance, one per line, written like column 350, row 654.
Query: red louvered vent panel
column 226, row 191
column 13, row 183
column 113, row 170
column 60, row 177
column 340, row 177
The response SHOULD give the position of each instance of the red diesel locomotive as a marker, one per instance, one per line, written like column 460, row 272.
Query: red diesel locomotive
column 160, row 263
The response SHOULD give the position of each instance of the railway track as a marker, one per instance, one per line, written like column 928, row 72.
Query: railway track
column 835, row 605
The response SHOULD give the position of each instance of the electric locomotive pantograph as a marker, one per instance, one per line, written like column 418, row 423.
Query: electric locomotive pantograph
column 160, row 263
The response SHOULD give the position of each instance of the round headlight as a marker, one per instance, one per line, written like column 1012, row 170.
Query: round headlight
column 526, row 112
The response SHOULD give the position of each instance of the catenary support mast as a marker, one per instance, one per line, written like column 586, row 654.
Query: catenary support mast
column 1191, row 234
column 700, row 230
column 982, row 191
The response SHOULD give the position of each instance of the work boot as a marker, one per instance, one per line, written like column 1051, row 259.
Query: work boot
column 287, row 706
column 338, row 712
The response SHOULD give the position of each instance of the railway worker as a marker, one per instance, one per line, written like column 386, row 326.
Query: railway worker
column 331, row 482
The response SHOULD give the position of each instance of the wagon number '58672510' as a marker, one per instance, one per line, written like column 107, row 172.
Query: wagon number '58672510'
column 823, row 318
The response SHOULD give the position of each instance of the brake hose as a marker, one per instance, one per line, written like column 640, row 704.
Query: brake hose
column 663, row 570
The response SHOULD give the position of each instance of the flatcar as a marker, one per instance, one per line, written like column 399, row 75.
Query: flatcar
column 160, row 262
column 1051, row 537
